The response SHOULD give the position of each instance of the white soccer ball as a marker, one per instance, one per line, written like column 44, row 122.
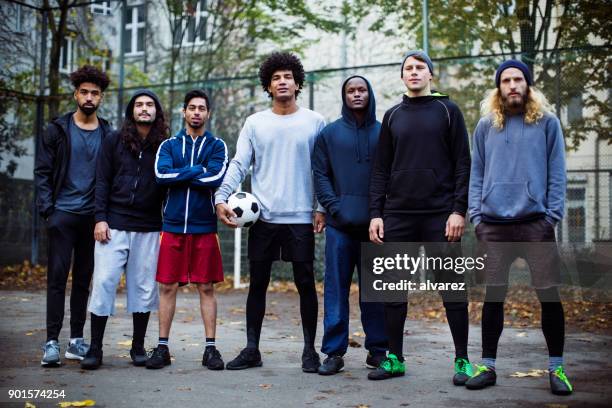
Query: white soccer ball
column 246, row 207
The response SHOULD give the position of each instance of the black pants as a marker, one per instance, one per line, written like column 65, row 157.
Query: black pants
column 303, row 275
column 426, row 228
column 553, row 320
column 67, row 234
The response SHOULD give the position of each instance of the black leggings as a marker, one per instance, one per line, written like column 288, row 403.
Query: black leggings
column 553, row 320
column 456, row 314
column 303, row 276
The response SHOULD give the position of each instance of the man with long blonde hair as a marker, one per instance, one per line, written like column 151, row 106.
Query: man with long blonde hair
column 517, row 194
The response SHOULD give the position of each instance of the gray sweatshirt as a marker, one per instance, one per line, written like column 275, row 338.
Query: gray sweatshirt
column 279, row 149
column 518, row 172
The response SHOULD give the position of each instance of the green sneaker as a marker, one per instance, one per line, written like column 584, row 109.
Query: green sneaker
column 483, row 377
column 389, row 367
column 463, row 371
column 559, row 384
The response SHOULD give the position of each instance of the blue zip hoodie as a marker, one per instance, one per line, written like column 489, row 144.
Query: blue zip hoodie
column 192, row 170
column 518, row 172
column 341, row 163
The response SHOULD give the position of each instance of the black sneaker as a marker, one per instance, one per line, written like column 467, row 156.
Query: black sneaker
column 160, row 358
column 212, row 359
column 310, row 361
column 92, row 359
column 331, row 365
column 248, row 357
column 559, row 384
column 463, row 371
column 138, row 355
column 374, row 360
column 483, row 378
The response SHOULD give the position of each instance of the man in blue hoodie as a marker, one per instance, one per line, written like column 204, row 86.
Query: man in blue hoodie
column 191, row 164
column 341, row 163
column 517, row 194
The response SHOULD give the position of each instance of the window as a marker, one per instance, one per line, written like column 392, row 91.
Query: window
column 134, row 32
column 18, row 19
column 67, row 52
column 195, row 22
column 574, row 109
column 102, row 60
column 576, row 214
column 103, row 8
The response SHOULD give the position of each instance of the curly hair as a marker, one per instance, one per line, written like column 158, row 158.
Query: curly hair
column 536, row 106
column 158, row 133
column 279, row 61
column 89, row 73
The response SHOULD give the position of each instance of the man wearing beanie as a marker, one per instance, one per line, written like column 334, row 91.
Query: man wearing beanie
column 128, row 221
column 517, row 194
column 418, row 194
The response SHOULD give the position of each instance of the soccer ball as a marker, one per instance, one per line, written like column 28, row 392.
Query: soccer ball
column 246, row 207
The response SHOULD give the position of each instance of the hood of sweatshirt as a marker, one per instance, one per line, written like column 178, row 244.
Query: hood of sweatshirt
column 349, row 117
column 129, row 109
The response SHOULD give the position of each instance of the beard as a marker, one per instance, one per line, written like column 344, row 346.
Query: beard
column 148, row 121
column 196, row 126
column 88, row 110
column 514, row 103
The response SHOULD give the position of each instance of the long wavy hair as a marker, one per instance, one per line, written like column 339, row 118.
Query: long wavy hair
column 158, row 133
column 536, row 106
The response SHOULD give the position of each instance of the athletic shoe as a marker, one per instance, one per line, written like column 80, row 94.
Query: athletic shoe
column 310, row 361
column 390, row 367
column 77, row 349
column 159, row 358
column 138, row 355
column 463, row 371
column 248, row 357
column 483, row 377
column 51, row 358
column 331, row 365
column 374, row 360
column 93, row 358
column 212, row 359
column 559, row 384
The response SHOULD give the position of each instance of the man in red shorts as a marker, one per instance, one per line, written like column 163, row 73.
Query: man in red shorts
column 191, row 164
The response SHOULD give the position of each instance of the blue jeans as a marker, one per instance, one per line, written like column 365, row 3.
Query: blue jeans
column 342, row 254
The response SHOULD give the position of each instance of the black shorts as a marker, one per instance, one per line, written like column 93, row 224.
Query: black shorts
column 289, row 242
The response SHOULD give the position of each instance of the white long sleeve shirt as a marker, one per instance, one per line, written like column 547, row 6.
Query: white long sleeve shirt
column 278, row 147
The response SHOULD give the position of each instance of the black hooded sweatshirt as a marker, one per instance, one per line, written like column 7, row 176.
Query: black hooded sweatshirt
column 422, row 164
column 127, row 196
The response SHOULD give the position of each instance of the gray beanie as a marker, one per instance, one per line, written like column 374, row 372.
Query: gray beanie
column 421, row 55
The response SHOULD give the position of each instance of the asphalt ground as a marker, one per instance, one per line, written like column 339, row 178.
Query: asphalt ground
column 280, row 382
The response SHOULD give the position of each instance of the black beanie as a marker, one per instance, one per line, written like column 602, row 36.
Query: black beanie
column 520, row 65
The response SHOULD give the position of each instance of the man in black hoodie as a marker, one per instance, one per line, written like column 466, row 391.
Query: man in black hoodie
column 65, row 178
column 341, row 166
column 128, row 222
column 418, row 193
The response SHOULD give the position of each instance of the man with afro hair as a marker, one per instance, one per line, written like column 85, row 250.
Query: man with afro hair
column 278, row 143
column 65, row 177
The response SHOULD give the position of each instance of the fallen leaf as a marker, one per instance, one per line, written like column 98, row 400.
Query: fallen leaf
column 532, row 373
column 265, row 386
column 29, row 333
column 353, row 343
column 359, row 334
column 125, row 343
column 29, row 405
column 84, row 403
column 521, row 334
column 183, row 388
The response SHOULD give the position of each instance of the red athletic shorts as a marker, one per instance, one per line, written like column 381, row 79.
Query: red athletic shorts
column 189, row 258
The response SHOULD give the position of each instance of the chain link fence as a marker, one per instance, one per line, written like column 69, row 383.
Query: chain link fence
column 581, row 104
